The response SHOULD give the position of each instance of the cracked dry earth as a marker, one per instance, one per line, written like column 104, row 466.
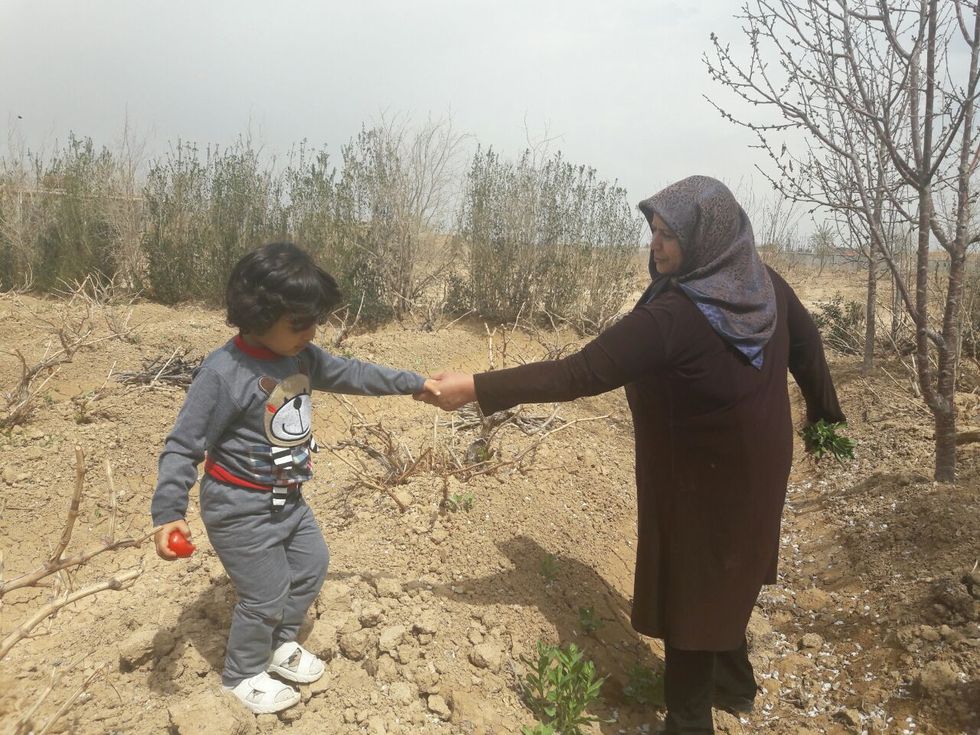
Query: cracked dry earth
column 427, row 614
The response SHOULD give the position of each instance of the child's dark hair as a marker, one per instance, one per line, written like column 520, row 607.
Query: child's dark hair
column 276, row 279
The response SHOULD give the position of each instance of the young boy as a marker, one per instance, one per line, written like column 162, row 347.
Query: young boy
column 248, row 414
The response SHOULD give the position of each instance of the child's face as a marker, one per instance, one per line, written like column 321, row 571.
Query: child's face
column 284, row 337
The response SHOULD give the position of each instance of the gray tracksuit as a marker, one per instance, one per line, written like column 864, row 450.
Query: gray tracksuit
column 250, row 411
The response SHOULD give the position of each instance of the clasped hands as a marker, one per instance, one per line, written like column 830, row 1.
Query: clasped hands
column 448, row 390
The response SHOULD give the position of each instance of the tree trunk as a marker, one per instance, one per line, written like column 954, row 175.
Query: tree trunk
column 945, row 445
column 898, row 308
column 948, row 361
column 870, row 316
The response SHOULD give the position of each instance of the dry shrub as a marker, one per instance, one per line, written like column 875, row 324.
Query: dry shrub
column 539, row 236
column 205, row 212
column 544, row 238
column 392, row 198
column 63, row 219
column 841, row 324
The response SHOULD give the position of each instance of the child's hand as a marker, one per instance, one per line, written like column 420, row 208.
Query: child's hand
column 454, row 390
column 430, row 392
column 163, row 532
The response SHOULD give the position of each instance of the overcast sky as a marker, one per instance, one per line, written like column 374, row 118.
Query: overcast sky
column 619, row 85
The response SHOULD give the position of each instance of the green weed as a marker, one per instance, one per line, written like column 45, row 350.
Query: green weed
column 460, row 501
column 549, row 568
column 588, row 620
column 822, row 438
column 559, row 688
column 645, row 687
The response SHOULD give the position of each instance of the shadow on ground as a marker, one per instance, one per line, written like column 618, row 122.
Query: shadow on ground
column 559, row 586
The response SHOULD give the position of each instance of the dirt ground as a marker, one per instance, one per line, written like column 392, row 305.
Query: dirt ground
column 427, row 615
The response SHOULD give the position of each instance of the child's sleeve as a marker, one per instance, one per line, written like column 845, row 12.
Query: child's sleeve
column 343, row 375
column 208, row 410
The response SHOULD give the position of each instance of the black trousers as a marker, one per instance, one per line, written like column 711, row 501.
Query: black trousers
column 694, row 681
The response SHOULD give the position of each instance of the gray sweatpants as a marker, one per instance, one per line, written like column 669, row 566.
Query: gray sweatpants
column 277, row 560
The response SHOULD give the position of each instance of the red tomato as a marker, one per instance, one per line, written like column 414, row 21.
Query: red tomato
column 179, row 544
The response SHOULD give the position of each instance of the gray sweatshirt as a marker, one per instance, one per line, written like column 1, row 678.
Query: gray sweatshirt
column 250, row 411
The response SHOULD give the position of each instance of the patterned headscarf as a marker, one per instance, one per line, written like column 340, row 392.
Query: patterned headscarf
column 721, row 271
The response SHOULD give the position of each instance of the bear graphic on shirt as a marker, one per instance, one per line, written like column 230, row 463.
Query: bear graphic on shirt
column 288, row 410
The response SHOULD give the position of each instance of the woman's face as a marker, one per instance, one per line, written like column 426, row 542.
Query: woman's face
column 665, row 247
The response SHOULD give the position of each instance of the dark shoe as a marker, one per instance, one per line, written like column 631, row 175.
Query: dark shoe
column 734, row 706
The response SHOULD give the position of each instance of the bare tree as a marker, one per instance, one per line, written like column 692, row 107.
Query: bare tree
column 881, row 95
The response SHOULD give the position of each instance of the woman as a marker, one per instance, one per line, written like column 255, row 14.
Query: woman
column 704, row 357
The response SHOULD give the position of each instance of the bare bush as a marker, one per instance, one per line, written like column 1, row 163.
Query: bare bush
column 59, row 217
column 469, row 446
column 84, row 402
column 72, row 331
column 545, row 237
column 392, row 203
column 203, row 213
column 105, row 297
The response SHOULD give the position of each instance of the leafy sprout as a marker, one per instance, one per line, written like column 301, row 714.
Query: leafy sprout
column 588, row 620
column 559, row 687
column 645, row 687
column 549, row 568
column 822, row 438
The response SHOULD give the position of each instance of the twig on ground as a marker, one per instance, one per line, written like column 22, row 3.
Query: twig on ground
column 175, row 370
column 117, row 582
column 68, row 703
column 364, row 480
column 57, row 561
column 167, row 363
column 457, row 319
column 488, row 466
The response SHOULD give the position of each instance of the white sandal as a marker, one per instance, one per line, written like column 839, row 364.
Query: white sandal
column 293, row 662
column 262, row 694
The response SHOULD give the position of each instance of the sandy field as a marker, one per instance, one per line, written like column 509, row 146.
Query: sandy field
column 428, row 614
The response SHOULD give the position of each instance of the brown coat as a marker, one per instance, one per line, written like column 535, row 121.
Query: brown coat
column 714, row 443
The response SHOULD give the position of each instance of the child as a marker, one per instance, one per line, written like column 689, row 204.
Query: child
column 248, row 415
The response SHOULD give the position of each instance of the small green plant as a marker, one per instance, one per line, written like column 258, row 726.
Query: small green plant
column 822, row 438
column 478, row 452
column 549, row 568
column 588, row 620
column 83, row 409
column 538, row 729
column 645, row 687
column 559, row 688
column 460, row 501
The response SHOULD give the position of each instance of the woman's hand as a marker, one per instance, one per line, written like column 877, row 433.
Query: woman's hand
column 451, row 391
column 162, row 533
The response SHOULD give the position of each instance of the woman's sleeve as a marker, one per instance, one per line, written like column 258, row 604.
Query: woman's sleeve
column 636, row 345
column 808, row 364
